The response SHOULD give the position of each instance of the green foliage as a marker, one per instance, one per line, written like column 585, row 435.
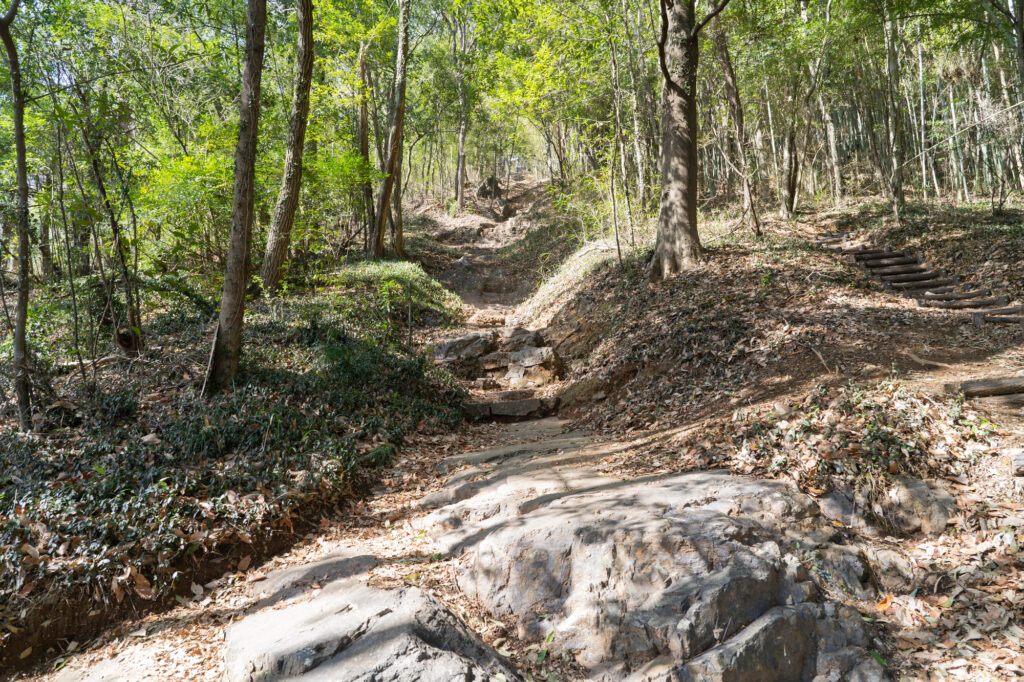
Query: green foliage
column 291, row 437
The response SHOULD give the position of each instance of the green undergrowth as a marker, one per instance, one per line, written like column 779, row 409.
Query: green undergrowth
column 392, row 287
column 134, row 476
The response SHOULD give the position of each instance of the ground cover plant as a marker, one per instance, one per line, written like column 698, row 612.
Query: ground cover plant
column 135, row 480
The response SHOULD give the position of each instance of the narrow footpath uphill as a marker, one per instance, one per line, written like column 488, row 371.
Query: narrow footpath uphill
column 529, row 551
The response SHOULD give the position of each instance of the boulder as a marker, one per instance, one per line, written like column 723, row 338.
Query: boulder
column 352, row 632
column 1014, row 459
column 839, row 505
column 516, row 408
column 914, row 505
column 488, row 189
column 581, row 392
column 496, row 360
column 466, row 347
column 681, row 577
column 531, row 356
column 513, row 339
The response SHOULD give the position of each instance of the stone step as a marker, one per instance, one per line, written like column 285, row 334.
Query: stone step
column 505, row 408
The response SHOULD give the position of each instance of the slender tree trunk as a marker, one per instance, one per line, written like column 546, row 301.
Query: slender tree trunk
column 20, row 350
column 364, row 146
column 393, row 167
column 460, row 167
column 896, row 149
column 227, row 341
column 732, row 94
column 291, row 182
column 398, row 238
column 130, row 340
column 790, row 172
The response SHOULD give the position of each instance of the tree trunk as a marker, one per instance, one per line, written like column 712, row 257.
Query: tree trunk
column 678, row 246
column 20, row 350
column 364, row 145
column 895, row 121
column 790, row 172
column 460, row 168
column 732, row 94
column 227, row 341
column 291, row 182
column 393, row 166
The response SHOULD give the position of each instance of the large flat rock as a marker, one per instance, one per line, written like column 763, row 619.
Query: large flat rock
column 676, row 577
column 350, row 632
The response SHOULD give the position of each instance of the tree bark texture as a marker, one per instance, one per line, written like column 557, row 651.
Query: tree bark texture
column 291, row 182
column 227, row 342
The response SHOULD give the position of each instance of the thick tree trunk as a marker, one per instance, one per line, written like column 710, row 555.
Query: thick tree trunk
column 291, row 183
column 20, row 350
column 227, row 342
column 393, row 167
column 678, row 246
column 732, row 94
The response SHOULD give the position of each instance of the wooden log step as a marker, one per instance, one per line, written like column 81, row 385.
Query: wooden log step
column 864, row 253
column 875, row 255
column 1009, row 310
column 965, row 303
column 937, row 290
column 956, row 295
column 1009, row 315
column 900, row 269
column 914, row 277
column 896, row 260
column 930, row 284
column 854, row 250
column 1003, row 319
column 988, row 387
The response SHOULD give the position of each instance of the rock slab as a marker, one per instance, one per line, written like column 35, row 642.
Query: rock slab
column 350, row 632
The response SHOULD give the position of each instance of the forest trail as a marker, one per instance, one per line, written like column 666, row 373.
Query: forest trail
column 535, row 555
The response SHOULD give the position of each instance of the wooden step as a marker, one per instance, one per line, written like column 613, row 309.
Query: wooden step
column 989, row 387
column 964, row 304
column 1009, row 315
column 914, row 277
column 956, row 295
column 900, row 269
column 937, row 290
column 875, row 255
column 896, row 260
column 864, row 252
column 930, row 284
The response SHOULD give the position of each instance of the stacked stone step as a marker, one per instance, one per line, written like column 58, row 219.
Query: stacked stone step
column 511, row 361
column 905, row 272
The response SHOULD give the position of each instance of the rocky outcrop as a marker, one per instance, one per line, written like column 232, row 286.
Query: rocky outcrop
column 504, row 358
column 467, row 347
column 687, row 576
column 350, row 632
